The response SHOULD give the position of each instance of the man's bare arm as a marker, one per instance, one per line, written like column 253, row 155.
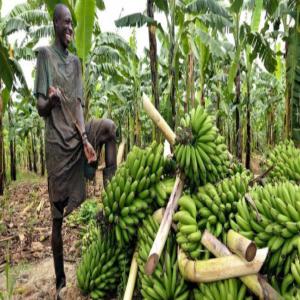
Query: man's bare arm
column 87, row 147
column 44, row 105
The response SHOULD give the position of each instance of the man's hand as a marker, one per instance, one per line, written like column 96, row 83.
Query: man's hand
column 54, row 96
column 89, row 151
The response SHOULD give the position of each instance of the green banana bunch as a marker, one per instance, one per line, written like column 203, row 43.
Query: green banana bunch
column 221, row 290
column 127, row 198
column 292, row 294
column 285, row 159
column 212, row 208
column 91, row 234
column 200, row 151
column 166, row 281
column 276, row 225
column 101, row 266
column 161, row 192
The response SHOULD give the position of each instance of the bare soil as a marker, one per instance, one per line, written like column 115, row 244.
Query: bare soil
column 25, row 233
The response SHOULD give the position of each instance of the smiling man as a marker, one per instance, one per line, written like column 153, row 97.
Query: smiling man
column 59, row 93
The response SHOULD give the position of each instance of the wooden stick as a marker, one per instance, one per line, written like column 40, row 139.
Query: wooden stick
column 240, row 245
column 131, row 278
column 120, row 154
column 158, row 120
column 164, row 227
column 219, row 268
column 8, row 238
column 261, row 176
column 256, row 283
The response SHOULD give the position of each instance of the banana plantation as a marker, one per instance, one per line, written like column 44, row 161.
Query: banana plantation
column 204, row 199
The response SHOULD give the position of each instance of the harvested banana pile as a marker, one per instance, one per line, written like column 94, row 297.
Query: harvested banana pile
column 101, row 267
column 222, row 290
column 127, row 198
column 200, row 151
column 166, row 281
column 161, row 192
column 276, row 225
column 212, row 208
column 285, row 159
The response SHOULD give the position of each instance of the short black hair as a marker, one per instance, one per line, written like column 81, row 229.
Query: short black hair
column 57, row 11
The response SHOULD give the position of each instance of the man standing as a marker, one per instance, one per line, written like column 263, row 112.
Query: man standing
column 68, row 142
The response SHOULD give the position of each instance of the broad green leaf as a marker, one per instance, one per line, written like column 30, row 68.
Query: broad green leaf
column 85, row 14
column 6, row 73
column 100, row 4
column 18, row 73
column 236, row 6
column 256, row 15
column 233, row 69
column 271, row 6
column 162, row 5
column 205, row 6
column 15, row 24
column 134, row 20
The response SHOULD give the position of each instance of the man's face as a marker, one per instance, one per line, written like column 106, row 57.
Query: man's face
column 64, row 29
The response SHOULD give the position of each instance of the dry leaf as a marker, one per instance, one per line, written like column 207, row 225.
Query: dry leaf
column 37, row 246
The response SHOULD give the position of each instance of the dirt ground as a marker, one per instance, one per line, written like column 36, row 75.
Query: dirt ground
column 25, row 231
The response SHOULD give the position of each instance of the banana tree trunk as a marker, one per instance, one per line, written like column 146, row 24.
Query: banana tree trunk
column 287, row 117
column 42, row 156
column 12, row 141
column 33, row 143
column 172, row 75
column 153, row 59
column 218, row 121
column 190, row 94
column 138, row 126
column 13, row 171
column 238, row 129
column 29, row 158
column 248, row 121
column 2, row 170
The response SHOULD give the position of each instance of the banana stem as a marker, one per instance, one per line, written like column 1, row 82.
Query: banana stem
column 159, row 214
column 214, row 269
column 131, row 278
column 256, row 283
column 120, row 154
column 164, row 227
column 158, row 120
column 241, row 246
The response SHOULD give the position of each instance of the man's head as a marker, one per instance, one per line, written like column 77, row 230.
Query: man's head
column 62, row 22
